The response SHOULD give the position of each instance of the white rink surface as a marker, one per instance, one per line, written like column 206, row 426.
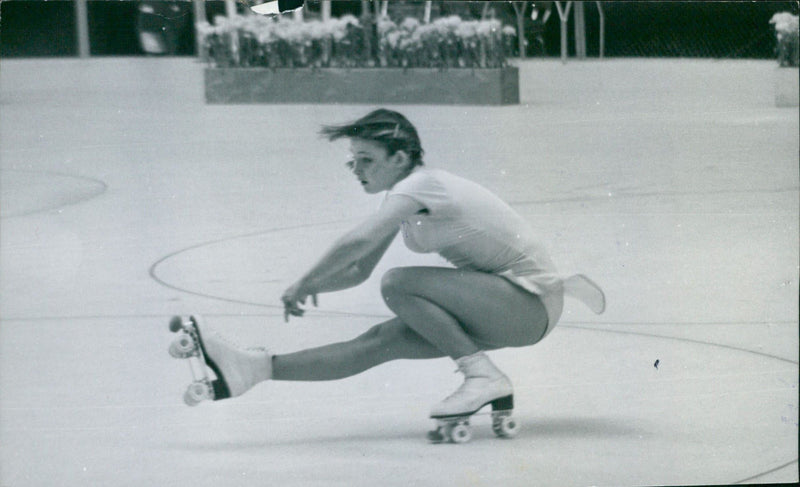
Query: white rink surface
column 126, row 199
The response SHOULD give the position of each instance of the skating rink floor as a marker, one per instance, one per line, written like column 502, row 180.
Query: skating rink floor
column 126, row 199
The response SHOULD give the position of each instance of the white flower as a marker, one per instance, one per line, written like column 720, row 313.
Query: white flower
column 393, row 39
column 410, row 24
column 465, row 30
column 349, row 20
column 386, row 25
column 785, row 23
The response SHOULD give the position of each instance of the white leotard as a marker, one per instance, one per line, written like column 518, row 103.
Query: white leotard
column 474, row 229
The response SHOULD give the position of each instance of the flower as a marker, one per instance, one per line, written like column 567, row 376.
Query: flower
column 410, row 24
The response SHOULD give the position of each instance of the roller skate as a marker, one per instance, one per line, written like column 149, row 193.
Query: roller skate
column 457, row 429
column 484, row 385
column 219, row 369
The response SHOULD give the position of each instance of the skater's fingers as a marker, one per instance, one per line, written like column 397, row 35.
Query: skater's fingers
column 291, row 311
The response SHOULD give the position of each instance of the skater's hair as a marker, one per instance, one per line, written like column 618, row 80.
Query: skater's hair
column 386, row 127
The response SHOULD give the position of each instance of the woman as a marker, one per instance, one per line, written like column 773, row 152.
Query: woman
column 503, row 290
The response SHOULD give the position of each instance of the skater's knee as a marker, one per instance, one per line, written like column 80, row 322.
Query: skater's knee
column 395, row 281
column 380, row 335
column 386, row 337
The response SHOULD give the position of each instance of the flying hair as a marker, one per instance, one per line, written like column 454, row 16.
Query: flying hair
column 386, row 127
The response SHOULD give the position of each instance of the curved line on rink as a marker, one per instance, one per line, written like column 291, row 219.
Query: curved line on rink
column 103, row 187
column 153, row 271
column 681, row 339
column 772, row 470
column 649, row 194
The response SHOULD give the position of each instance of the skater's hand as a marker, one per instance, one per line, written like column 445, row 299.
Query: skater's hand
column 292, row 299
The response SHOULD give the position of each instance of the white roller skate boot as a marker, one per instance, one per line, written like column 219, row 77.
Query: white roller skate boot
column 484, row 384
column 240, row 368
column 236, row 370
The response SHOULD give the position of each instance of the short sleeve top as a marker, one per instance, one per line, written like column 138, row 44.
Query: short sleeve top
column 473, row 229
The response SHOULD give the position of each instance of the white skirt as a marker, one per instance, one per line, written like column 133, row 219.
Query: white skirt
column 576, row 286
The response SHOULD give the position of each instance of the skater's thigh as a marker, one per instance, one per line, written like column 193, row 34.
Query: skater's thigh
column 492, row 310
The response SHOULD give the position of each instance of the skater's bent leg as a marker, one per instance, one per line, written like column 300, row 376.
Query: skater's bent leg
column 387, row 341
column 462, row 312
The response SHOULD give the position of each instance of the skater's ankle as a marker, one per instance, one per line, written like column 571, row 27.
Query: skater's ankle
column 466, row 359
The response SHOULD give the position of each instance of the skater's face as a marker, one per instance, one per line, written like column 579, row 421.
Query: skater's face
column 375, row 169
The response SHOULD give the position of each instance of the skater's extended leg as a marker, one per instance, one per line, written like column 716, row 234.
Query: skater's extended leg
column 387, row 341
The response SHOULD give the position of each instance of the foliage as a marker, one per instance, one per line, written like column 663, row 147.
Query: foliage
column 255, row 41
column 786, row 33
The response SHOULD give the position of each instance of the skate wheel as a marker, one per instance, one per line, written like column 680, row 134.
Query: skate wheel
column 182, row 347
column 459, row 433
column 505, row 427
column 197, row 392
column 175, row 324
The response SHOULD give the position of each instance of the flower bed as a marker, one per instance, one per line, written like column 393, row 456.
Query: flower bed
column 450, row 61
column 255, row 41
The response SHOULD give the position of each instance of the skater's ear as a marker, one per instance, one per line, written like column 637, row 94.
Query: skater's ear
column 400, row 158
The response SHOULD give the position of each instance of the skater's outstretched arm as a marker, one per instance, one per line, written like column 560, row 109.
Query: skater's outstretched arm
column 352, row 258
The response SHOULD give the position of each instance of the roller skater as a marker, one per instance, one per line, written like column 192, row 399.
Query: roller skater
column 501, row 291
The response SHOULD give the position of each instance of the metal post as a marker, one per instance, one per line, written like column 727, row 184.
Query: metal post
column 199, row 18
column 326, row 10
column 230, row 11
column 580, row 31
column 230, row 8
column 427, row 18
column 485, row 11
column 82, row 28
column 563, row 15
column 519, row 9
column 368, row 23
column 602, row 29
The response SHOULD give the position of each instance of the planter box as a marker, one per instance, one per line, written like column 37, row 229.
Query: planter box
column 363, row 85
column 787, row 87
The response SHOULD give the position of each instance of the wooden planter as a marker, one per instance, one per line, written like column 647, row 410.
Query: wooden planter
column 363, row 86
column 787, row 87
